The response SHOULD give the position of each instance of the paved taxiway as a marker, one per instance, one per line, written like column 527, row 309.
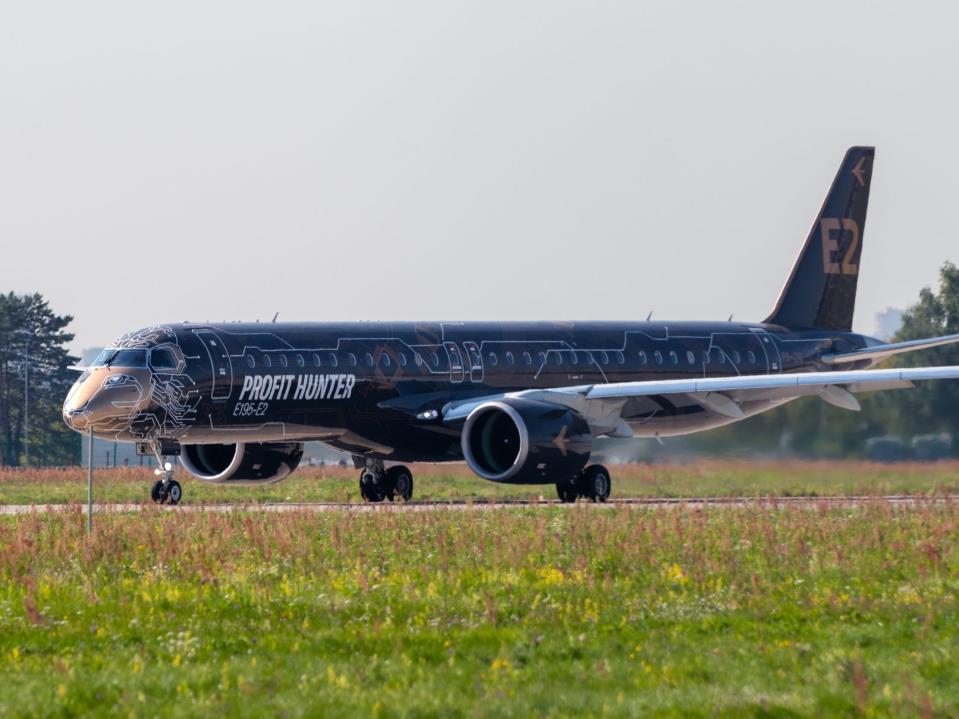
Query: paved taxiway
column 906, row 501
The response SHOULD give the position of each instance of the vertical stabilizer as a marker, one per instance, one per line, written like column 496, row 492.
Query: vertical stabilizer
column 821, row 290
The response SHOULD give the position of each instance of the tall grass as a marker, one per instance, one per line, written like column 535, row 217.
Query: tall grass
column 623, row 611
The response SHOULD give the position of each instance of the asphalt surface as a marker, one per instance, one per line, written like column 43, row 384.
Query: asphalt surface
column 907, row 501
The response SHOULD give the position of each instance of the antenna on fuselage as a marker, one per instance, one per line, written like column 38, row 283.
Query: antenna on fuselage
column 275, row 316
column 649, row 316
column 730, row 318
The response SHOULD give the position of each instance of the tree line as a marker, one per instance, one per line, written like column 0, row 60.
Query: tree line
column 35, row 376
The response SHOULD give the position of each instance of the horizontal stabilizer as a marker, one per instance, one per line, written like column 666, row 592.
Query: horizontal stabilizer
column 880, row 352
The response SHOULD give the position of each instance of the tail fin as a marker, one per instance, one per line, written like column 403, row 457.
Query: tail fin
column 821, row 290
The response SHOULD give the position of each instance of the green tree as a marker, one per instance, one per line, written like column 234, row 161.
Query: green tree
column 32, row 347
column 930, row 407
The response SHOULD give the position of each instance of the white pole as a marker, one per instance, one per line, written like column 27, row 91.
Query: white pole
column 90, row 483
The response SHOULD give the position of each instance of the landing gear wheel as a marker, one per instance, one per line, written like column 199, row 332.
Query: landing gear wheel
column 157, row 493
column 399, row 483
column 595, row 483
column 173, row 492
column 166, row 492
column 567, row 490
column 371, row 487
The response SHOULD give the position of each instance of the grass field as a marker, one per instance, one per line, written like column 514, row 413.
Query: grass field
column 529, row 611
column 542, row 611
column 443, row 482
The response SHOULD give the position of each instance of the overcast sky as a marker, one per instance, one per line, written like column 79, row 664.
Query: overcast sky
column 450, row 160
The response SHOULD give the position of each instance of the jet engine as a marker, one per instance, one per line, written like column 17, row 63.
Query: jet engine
column 241, row 463
column 525, row 441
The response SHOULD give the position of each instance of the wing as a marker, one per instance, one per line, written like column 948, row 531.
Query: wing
column 880, row 352
column 602, row 404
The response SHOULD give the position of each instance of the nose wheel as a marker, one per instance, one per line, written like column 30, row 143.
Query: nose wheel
column 166, row 491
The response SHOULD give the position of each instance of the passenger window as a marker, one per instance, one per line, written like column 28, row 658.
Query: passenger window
column 604, row 358
column 300, row 362
column 250, row 362
column 573, row 358
column 334, row 361
column 705, row 357
column 436, row 359
column 527, row 359
column 492, row 359
column 351, row 359
column 751, row 357
column 620, row 358
column 368, row 359
column 317, row 362
column 385, row 359
column 418, row 359
column 509, row 358
column 737, row 358
column 283, row 362
column 558, row 358
column 267, row 362
column 673, row 357
column 658, row 356
column 162, row 359
column 589, row 358
column 690, row 357
column 722, row 357
column 402, row 359
column 642, row 356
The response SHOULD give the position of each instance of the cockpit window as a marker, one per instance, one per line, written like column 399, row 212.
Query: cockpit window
column 126, row 358
column 104, row 356
column 162, row 358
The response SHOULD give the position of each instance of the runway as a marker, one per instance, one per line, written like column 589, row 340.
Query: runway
column 906, row 501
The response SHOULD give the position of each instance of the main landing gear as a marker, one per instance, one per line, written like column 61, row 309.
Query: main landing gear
column 592, row 483
column 377, row 483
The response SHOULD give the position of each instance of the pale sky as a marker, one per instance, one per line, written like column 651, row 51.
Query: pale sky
column 462, row 160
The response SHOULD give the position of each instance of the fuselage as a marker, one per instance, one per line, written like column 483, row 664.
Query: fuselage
column 376, row 388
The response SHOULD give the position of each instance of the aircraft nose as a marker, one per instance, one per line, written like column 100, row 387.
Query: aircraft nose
column 75, row 404
column 104, row 402
column 76, row 418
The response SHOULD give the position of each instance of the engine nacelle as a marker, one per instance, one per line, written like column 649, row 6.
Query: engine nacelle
column 525, row 441
column 251, row 463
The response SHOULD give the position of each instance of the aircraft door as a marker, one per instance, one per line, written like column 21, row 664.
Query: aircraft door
column 222, row 366
column 771, row 349
column 456, row 362
column 476, row 361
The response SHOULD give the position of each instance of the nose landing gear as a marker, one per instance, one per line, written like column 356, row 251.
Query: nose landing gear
column 378, row 483
column 165, row 490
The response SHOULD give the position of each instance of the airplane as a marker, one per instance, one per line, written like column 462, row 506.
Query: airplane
column 520, row 402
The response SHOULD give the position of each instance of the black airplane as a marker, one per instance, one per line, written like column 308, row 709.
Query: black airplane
column 521, row 402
